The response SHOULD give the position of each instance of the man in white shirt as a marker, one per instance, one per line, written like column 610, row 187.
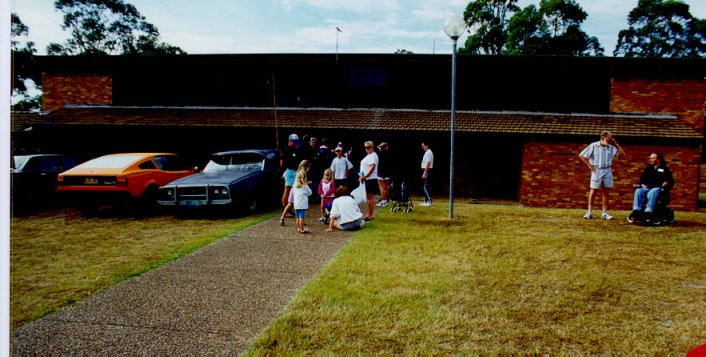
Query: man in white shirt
column 598, row 156
column 345, row 213
column 427, row 166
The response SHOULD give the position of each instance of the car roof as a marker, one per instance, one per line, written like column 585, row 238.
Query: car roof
column 141, row 154
column 265, row 152
column 38, row 155
column 139, row 157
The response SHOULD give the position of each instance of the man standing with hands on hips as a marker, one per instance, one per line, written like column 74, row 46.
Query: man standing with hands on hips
column 427, row 166
column 599, row 158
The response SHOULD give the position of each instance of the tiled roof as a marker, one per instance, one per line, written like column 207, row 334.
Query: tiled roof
column 633, row 125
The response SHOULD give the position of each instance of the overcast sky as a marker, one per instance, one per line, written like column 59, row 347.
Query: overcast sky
column 309, row 26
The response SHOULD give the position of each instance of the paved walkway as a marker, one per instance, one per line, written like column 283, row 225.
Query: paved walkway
column 214, row 301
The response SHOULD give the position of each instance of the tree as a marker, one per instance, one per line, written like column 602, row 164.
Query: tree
column 23, row 75
column 490, row 18
column 101, row 27
column 662, row 29
column 553, row 29
column 403, row 52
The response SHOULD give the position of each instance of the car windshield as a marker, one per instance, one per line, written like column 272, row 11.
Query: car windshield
column 20, row 161
column 111, row 161
column 235, row 162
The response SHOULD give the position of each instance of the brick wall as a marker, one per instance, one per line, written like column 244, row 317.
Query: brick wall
column 59, row 90
column 554, row 176
column 684, row 98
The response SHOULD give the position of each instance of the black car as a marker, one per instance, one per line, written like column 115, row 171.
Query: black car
column 243, row 179
column 34, row 176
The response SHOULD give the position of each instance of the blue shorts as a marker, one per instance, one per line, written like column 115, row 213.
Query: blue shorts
column 289, row 176
column 299, row 213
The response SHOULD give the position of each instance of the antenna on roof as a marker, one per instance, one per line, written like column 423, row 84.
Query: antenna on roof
column 337, row 31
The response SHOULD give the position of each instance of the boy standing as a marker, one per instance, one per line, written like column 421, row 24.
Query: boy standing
column 599, row 158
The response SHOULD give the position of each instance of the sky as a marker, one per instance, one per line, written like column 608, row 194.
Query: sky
column 309, row 26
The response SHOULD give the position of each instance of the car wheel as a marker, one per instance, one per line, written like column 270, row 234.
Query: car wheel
column 250, row 203
column 148, row 202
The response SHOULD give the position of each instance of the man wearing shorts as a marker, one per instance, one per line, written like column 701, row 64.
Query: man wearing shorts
column 599, row 158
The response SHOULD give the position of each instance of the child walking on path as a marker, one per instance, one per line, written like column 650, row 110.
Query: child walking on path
column 327, row 189
column 301, row 200
column 303, row 165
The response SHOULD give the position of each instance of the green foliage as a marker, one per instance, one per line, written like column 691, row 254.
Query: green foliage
column 106, row 27
column 22, row 67
column 490, row 18
column 554, row 30
column 662, row 28
column 403, row 52
column 20, row 31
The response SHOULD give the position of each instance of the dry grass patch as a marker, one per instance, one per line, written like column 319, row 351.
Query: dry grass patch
column 503, row 279
column 60, row 257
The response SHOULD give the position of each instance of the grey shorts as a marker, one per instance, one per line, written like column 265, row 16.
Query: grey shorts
column 602, row 177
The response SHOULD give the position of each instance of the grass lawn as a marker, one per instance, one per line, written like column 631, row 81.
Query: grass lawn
column 60, row 257
column 503, row 279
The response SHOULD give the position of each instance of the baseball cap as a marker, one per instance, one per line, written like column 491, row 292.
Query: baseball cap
column 294, row 137
column 338, row 148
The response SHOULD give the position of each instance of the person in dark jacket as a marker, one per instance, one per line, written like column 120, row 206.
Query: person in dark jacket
column 655, row 178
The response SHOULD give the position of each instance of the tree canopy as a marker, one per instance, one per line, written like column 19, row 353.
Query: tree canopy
column 662, row 28
column 22, row 66
column 552, row 29
column 107, row 27
column 490, row 19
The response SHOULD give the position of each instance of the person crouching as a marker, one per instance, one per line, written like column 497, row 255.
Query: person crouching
column 345, row 214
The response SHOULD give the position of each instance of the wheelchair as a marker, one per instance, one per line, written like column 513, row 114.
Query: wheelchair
column 662, row 215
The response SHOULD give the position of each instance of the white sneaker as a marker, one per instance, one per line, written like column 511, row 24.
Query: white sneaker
column 605, row 215
column 425, row 204
column 382, row 203
column 588, row 215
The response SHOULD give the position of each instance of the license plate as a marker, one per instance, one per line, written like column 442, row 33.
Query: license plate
column 191, row 203
column 90, row 181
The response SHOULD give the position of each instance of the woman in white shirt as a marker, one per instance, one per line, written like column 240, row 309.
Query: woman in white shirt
column 369, row 176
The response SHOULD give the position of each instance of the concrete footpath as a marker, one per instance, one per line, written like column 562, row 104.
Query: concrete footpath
column 214, row 301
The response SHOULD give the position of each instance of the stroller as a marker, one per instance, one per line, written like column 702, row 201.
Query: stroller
column 399, row 193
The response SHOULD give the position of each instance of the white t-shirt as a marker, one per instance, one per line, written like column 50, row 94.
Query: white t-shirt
column 301, row 197
column 339, row 167
column 368, row 162
column 345, row 210
column 428, row 157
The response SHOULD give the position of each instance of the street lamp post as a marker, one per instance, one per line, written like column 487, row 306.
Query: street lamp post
column 454, row 26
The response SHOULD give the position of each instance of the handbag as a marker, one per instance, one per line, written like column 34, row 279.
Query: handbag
column 359, row 194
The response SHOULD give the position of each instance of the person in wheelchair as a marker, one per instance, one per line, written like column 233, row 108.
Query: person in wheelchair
column 652, row 195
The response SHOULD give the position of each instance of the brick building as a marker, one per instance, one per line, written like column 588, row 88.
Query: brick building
column 520, row 123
